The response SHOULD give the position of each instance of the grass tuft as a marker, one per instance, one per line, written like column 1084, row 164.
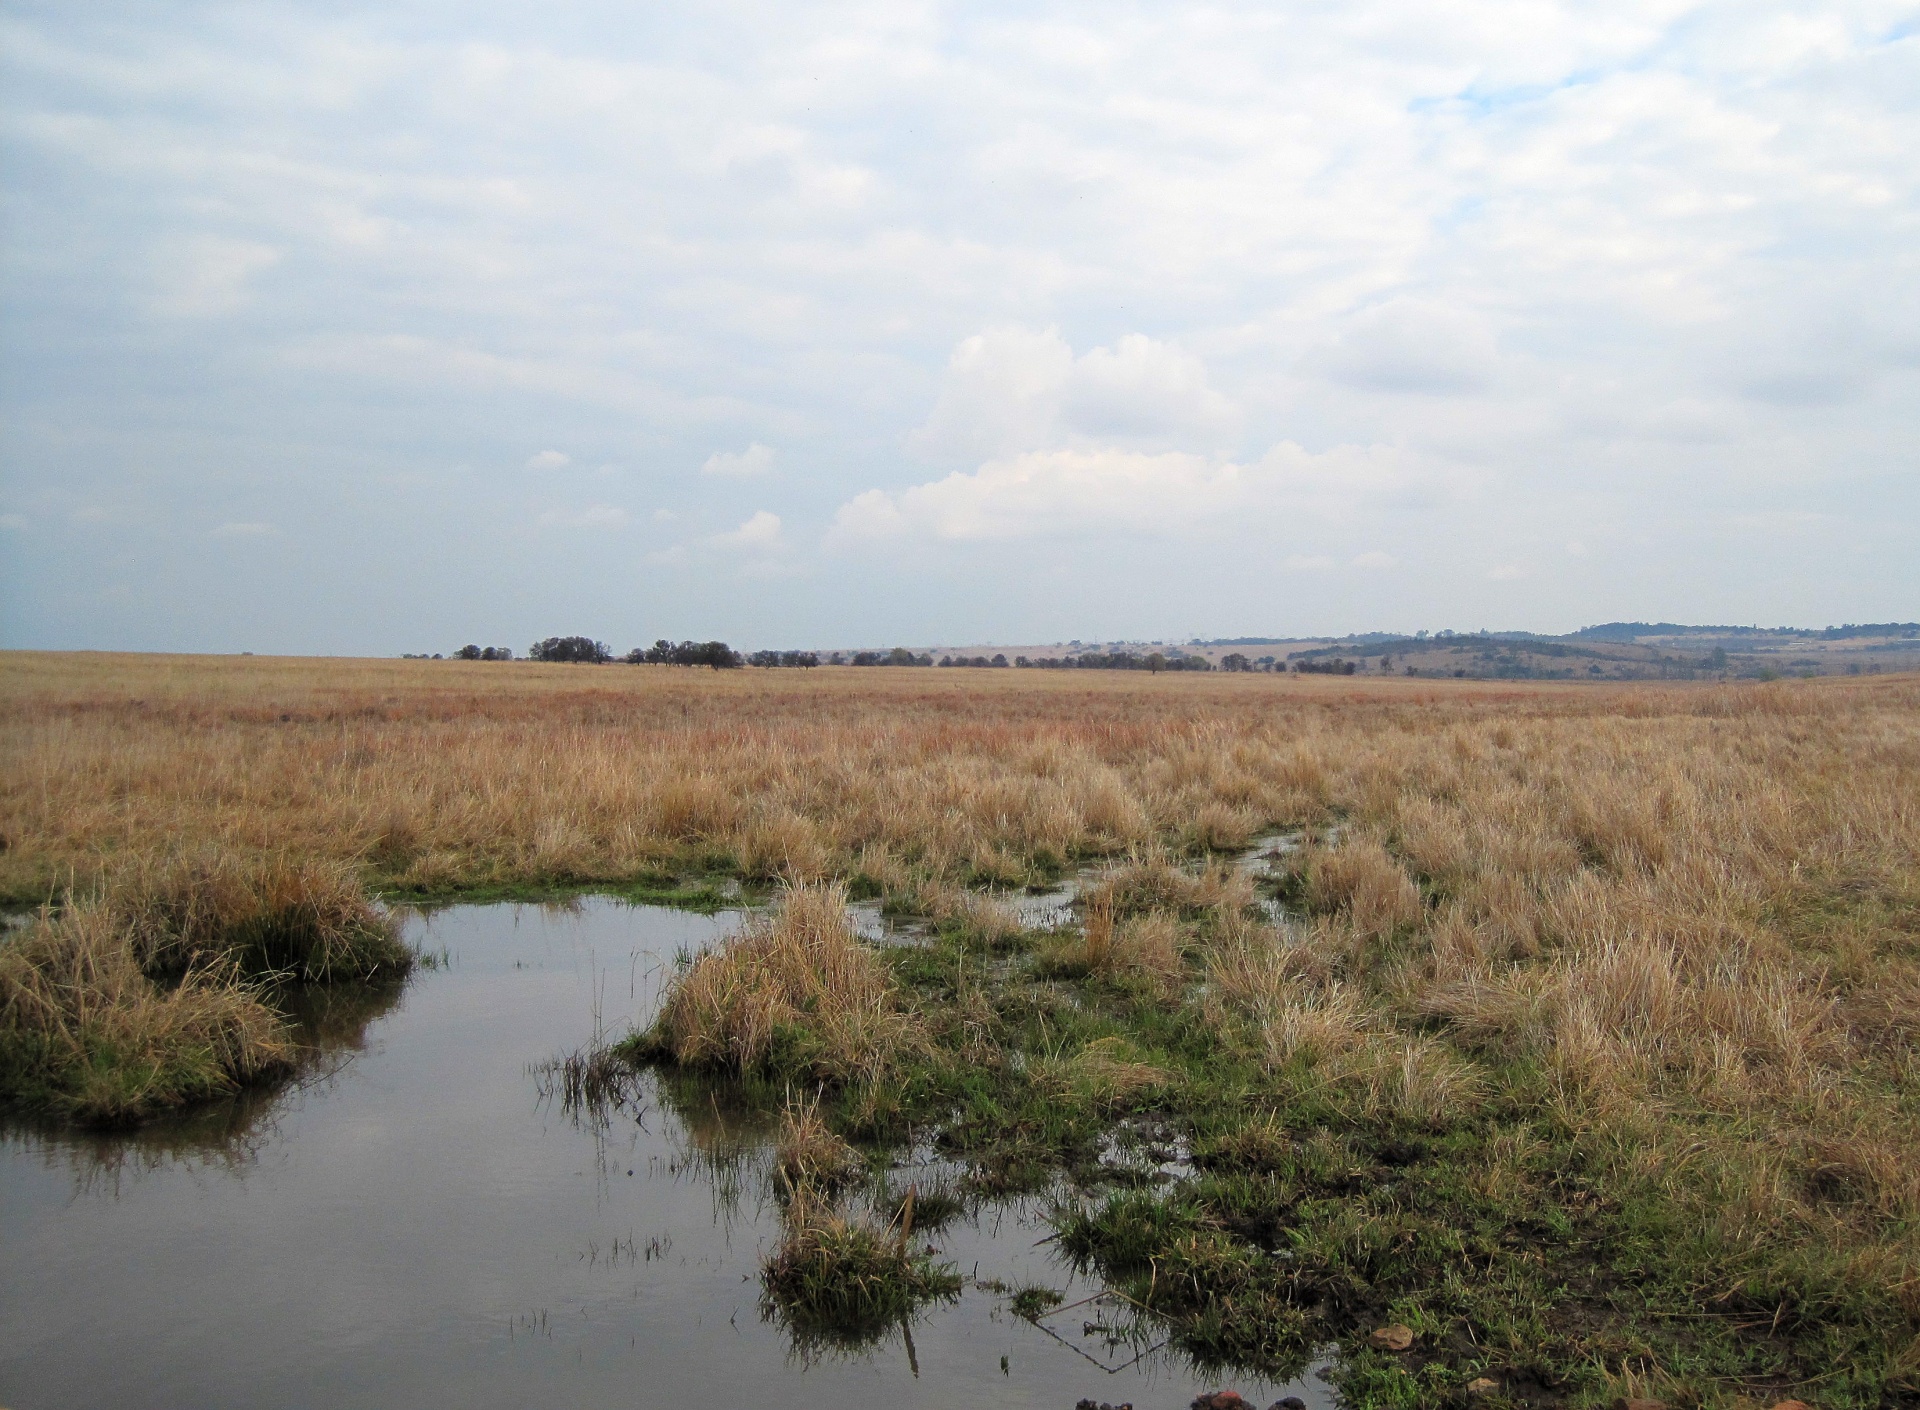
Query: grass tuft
column 159, row 991
column 795, row 992
column 86, row 1034
column 848, row 1279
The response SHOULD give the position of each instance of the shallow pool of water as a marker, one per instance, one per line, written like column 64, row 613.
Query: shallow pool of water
column 411, row 1224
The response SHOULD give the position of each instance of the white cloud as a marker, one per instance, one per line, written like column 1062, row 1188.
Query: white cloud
column 1642, row 264
column 1376, row 559
column 1506, row 573
column 244, row 529
column 1012, row 389
column 549, row 460
column 1076, row 493
column 1408, row 345
column 756, row 459
column 762, row 531
column 207, row 276
column 598, row 516
column 13, row 521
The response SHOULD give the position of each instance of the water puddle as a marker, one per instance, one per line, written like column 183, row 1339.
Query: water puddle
column 1050, row 908
column 410, row 1224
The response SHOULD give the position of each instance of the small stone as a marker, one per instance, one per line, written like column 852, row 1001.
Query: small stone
column 1086, row 1405
column 1222, row 1400
column 1482, row 1386
column 1397, row 1336
column 1288, row 1402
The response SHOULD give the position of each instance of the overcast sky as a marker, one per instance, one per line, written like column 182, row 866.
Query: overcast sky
column 383, row 328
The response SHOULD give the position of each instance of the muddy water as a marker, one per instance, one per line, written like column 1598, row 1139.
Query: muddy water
column 412, row 1225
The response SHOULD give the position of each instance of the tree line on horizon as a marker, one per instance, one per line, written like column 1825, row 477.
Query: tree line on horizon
column 719, row 656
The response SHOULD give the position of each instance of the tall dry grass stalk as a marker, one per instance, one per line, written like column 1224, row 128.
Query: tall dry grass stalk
column 795, row 990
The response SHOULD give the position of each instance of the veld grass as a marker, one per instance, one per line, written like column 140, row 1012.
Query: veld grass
column 306, row 920
column 794, row 993
column 161, row 990
column 1591, row 1042
column 810, row 1153
column 846, row 1280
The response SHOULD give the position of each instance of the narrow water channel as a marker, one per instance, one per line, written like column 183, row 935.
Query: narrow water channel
column 412, row 1225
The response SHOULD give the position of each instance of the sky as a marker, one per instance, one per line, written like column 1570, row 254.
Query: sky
column 369, row 329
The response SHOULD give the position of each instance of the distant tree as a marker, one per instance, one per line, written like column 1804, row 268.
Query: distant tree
column 570, row 648
column 1235, row 661
column 467, row 653
column 716, row 654
column 999, row 660
column 497, row 653
column 1156, row 663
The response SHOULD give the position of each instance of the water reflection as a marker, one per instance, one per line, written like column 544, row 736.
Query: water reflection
column 329, row 1029
column 408, row 1220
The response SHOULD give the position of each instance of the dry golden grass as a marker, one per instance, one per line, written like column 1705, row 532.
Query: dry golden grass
column 148, row 993
column 808, row 1152
column 1694, row 908
column 86, row 1033
column 797, row 978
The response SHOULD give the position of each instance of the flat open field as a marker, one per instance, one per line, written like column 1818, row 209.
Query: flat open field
column 1587, row 1048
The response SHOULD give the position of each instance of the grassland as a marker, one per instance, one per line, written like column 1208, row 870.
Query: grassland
column 1590, row 1056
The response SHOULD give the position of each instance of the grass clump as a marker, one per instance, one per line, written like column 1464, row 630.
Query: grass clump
column 1034, row 1301
column 86, row 1033
column 849, row 1279
column 795, row 992
column 809, row 1153
column 162, row 990
column 308, row 920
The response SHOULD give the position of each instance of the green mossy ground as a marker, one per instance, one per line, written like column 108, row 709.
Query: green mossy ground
column 1292, row 1219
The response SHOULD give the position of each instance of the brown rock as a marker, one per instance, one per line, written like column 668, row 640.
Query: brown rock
column 1481, row 1386
column 1396, row 1337
column 1221, row 1400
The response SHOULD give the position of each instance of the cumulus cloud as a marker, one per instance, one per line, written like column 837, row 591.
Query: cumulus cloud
column 549, row 460
column 1644, row 264
column 1076, row 493
column 756, row 459
column 762, row 531
column 1016, row 389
